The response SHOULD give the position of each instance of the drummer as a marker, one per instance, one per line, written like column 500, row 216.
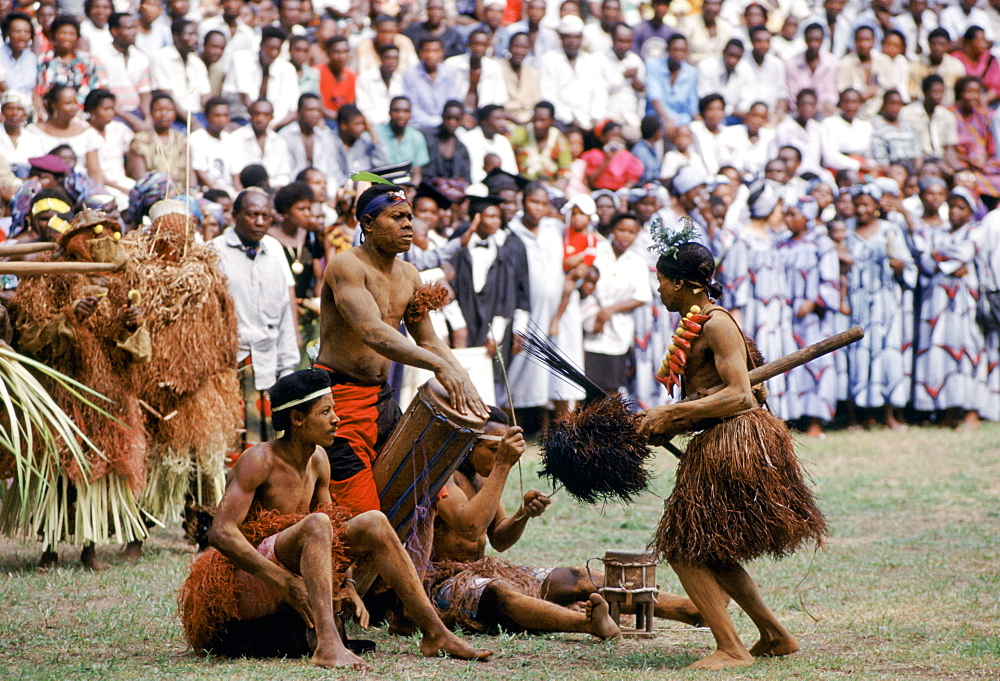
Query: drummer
column 365, row 293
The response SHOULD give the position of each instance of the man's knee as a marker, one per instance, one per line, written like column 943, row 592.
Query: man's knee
column 318, row 526
column 373, row 523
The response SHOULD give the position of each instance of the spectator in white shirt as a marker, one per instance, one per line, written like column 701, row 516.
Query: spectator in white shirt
column 571, row 79
column 846, row 138
column 489, row 138
column 480, row 77
column 263, row 75
column 625, row 76
column 152, row 34
column 728, row 76
column 916, row 23
column 310, row 143
column 239, row 36
column 262, row 287
column 769, row 77
column 707, row 132
column 257, row 143
column 178, row 70
column 94, row 27
column 934, row 123
column 127, row 72
column 376, row 87
column 597, row 33
column 210, row 158
column 788, row 42
column 869, row 72
column 803, row 132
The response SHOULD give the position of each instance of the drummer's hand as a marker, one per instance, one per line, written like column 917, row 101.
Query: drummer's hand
column 461, row 392
column 535, row 503
column 511, row 447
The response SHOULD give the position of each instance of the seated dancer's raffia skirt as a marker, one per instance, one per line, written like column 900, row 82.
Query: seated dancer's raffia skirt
column 456, row 590
column 739, row 495
column 217, row 595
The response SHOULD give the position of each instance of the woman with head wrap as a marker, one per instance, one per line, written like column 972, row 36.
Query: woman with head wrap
column 813, row 273
column 606, row 202
column 879, row 371
column 757, row 294
column 951, row 367
column 17, row 112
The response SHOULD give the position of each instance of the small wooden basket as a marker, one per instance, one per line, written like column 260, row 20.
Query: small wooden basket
column 630, row 578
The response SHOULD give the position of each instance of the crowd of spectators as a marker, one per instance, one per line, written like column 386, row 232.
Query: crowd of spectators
column 837, row 156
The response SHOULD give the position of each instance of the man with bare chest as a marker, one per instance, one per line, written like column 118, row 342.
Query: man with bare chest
column 486, row 593
column 283, row 486
column 365, row 293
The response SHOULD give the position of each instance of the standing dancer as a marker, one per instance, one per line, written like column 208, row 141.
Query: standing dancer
column 739, row 492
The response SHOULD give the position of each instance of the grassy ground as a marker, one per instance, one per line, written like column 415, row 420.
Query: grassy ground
column 908, row 586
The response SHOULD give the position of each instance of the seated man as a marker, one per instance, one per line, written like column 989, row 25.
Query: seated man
column 304, row 543
column 485, row 593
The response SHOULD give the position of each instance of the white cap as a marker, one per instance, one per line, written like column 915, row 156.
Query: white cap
column 571, row 25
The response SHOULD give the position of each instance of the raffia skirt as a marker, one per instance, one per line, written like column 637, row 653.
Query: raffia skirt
column 739, row 495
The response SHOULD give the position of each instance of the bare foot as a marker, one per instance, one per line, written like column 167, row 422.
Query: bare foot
column 720, row 660
column 49, row 560
column 452, row 645
column 970, row 422
column 814, row 430
column 132, row 551
column 89, row 559
column 601, row 624
column 342, row 658
column 775, row 647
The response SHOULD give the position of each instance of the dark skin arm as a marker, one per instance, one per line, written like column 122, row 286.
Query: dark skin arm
column 252, row 471
column 726, row 343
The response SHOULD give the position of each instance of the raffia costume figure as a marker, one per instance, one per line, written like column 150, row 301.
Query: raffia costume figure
column 87, row 327
column 189, row 389
column 739, row 493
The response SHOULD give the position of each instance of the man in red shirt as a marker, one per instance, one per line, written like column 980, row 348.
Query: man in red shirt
column 336, row 81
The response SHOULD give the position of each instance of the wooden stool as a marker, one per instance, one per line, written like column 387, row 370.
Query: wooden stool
column 630, row 578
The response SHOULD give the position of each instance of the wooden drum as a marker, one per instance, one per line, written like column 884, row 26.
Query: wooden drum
column 420, row 455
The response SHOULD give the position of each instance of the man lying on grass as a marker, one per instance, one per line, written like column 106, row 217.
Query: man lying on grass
column 485, row 593
column 280, row 542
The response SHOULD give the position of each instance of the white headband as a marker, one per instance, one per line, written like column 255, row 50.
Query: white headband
column 490, row 438
column 295, row 403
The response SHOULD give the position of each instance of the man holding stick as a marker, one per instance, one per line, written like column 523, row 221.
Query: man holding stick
column 739, row 492
column 366, row 291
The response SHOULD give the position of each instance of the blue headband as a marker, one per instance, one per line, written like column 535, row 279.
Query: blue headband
column 381, row 202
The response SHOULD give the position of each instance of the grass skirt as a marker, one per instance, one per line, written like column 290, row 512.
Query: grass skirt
column 209, row 597
column 465, row 597
column 739, row 495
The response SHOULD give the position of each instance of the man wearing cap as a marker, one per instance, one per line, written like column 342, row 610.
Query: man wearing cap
column 365, row 292
column 572, row 80
column 691, row 188
column 298, row 565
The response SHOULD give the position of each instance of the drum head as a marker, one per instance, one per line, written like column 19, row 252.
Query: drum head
column 434, row 394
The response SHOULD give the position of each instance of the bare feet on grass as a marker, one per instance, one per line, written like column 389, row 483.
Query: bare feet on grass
column 722, row 660
column 48, row 561
column 132, row 551
column 774, row 647
column 448, row 644
column 601, row 624
column 89, row 559
column 342, row 658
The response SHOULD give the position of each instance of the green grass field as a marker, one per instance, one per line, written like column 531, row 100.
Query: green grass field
column 908, row 587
